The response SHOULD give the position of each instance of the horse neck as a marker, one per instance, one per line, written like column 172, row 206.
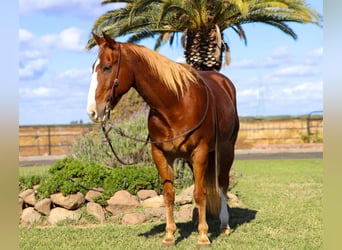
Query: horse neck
column 149, row 87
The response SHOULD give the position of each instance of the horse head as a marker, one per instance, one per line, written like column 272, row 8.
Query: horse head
column 109, row 81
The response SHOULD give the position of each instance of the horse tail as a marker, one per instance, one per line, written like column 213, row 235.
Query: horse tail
column 212, row 189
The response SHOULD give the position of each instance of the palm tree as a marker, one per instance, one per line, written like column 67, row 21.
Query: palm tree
column 201, row 23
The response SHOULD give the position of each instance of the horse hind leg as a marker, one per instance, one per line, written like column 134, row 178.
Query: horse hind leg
column 226, row 163
column 224, row 214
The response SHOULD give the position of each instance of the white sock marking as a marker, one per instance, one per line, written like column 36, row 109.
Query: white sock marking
column 224, row 215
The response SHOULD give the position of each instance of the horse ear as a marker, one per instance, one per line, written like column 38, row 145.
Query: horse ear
column 109, row 40
column 99, row 40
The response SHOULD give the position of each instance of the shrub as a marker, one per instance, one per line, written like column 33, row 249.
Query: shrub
column 94, row 147
column 71, row 176
column 132, row 179
column 316, row 137
column 64, row 175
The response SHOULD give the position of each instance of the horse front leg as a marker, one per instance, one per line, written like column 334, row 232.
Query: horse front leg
column 165, row 170
column 200, row 162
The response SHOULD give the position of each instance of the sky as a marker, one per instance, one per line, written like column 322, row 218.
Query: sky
column 273, row 74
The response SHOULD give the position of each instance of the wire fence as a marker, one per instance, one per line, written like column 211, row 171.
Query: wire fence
column 291, row 131
column 50, row 139
column 59, row 140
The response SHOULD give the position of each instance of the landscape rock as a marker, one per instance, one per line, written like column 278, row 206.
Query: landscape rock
column 123, row 198
column 92, row 194
column 188, row 191
column 157, row 213
column 43, row 206
column 122, row 202
column 120, row 205
column 183, row 200
column 72, row 201
column 233, row 201
column 145, row 194
column 116, row 210
column 185, row 197
column 60, row 214
column 157, row 201
column 185, row 213
column 133, row 219
column 96, row 210
column 30, row 216
column 29, row 196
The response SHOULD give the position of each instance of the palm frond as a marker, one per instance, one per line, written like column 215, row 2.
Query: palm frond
column 138, row 36
column 240, row 32
column 116, row 1
column 164, row 19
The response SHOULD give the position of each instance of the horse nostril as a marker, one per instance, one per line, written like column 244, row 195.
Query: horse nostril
column 92, row 115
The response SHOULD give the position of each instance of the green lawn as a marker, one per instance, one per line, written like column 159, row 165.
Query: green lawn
column 282, row 210
column 33, row 170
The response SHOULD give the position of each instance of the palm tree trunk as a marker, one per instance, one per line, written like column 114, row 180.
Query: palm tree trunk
column 204, row 48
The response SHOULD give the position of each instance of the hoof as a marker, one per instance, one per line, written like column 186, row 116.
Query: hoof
column 203, row 244
column 227, row 230
column 168, row 243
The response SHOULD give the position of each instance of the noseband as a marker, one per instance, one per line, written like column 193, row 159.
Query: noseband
column 109, row 106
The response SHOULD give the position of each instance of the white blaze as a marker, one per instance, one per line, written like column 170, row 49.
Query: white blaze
column 91, row 105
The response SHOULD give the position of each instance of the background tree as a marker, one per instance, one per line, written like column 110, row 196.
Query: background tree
column 201, row 23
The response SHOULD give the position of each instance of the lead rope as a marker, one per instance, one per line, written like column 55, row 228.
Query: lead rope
column 148, row 139
column 105, row 132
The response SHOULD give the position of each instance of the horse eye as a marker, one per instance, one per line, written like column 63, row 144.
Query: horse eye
column 107, row 68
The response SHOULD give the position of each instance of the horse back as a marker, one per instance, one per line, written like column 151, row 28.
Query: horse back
column 216, row 80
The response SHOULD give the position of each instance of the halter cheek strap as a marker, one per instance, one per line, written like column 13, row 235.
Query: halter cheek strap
column 110, row 101
column 112, row 96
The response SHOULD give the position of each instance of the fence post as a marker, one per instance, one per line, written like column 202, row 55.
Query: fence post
column 309, row 120
column 308, row 124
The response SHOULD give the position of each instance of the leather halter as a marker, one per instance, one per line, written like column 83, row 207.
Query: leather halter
column 110, row 101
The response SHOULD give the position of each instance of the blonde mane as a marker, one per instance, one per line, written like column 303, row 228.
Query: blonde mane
column 175, row 76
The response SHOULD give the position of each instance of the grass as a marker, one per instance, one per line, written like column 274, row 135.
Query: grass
column 30, row 176
column 34, row 170
column 282, row 210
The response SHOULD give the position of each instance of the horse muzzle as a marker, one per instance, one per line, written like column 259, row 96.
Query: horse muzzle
column 98, row 114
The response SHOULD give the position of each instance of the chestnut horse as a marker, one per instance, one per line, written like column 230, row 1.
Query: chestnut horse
column 192, row 116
